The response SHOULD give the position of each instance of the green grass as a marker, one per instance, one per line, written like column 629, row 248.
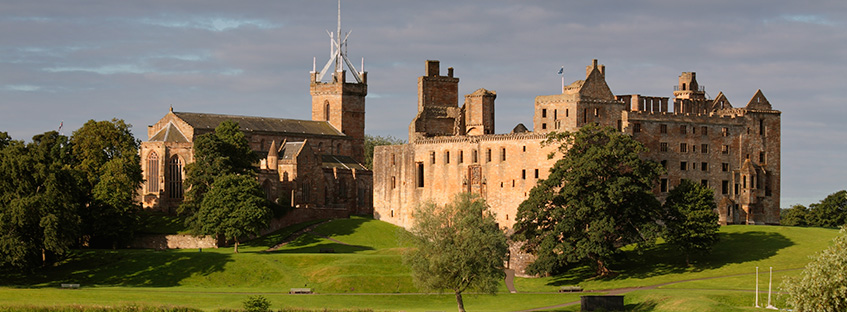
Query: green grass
column 161, row 223
column 367, row 259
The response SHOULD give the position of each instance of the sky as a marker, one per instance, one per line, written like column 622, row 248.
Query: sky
column 66, row 62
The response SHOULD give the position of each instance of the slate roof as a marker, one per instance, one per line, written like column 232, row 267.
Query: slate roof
column 341, row 162
column 169, row 134
column 261, row 124
column 290, row 150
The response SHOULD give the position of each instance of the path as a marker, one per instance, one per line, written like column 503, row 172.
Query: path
column 295, row 235
column 510, row 280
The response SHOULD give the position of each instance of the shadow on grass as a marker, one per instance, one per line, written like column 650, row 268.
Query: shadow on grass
column 128, row 268
column 646, row 306
column 308, row 243
column 664, row 259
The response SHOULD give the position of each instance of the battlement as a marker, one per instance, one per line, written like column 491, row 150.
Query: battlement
column 715, row 118
column 479, row 138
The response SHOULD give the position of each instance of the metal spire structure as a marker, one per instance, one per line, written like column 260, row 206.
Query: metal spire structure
column 338, row 53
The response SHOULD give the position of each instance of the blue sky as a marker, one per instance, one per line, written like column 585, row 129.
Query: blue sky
column 71, row 61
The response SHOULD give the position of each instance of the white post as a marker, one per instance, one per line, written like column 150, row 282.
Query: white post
column 770, row 281
column 757, row 287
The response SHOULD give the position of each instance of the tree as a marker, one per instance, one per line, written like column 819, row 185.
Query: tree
column 372, row 141
column 225, row 151
column 457, row 247
column 235, row 207
column 823, row 284
column 597, row 199
column 39, row 200
column 106, row 153
column 691, row 223
column 797, row 215
column 829, row 212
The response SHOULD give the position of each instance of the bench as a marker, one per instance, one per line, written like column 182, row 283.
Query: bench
column 300, row 291
column 564, row 289
column 71, row 286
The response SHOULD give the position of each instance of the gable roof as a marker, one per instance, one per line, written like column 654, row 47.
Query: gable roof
column 170, row 133
column 341, row 162
column 260, row 124
column 759, row 102
column 721, row 102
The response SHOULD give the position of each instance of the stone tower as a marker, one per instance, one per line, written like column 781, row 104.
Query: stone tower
column 337, row 101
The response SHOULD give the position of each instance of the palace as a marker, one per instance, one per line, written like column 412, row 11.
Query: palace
column 451, row 149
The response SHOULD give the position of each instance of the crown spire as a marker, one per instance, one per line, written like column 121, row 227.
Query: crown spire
column 338, row 53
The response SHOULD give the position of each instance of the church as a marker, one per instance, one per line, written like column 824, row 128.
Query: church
column 733, row 150
column 313, row 165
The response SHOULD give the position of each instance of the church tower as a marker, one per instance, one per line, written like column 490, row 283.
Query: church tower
column 337, row 101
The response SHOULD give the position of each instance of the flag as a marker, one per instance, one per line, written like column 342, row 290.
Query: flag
column 561, row 70
column 62, row 123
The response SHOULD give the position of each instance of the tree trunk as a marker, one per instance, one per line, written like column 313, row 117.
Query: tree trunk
column 460, row 302
column 602, row 270
column 43, row 258
column 236, row 246
column 687, row 263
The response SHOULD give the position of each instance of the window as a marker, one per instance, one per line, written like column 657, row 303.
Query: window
column 724, row 131
column 488, row 155
column 175, row 177
column 432, row 157
column 524, row 148
column 153, row 173
column 475, row 156
column 725, row 167
column 461, row 156
column 555, row 114
column 393, row 160
column 761, row 157
column 725, row 187
column 663, row 185
column 762, row 127
column 704, row 166
column 536, row 173
column 596, row 112
column 704, row 148
column 544, row 113
column 584, row 115
column 704, row 130
column 567, row 112
column 543, row 126
column 326, row 110
column 725, row 149
column 693, row 130
column 447, row 157
column 683, row 147
column 683, row 129
column 636, row 127
column 664, row 164
column 523, row 174
column 683, row 165
column 663, row 128
column 704, row 183
column 393, row 183
column 663, row 146
column 420, row 172
column 503, row 153
column 693, row 148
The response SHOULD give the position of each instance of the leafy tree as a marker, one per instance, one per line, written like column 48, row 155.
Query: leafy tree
column 225, row 151
column 39, row 200
column 829, row 212
column 106, row 153
column 5, row 139
column 691, row 222
column 457, row 247
column 797, row 215
column 597, row 199
column 372, row 141
column 823, row 284
column 234, row 208
column 257, row 304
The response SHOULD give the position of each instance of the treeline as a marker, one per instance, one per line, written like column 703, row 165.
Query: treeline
column 59, row 192
column 830, row 212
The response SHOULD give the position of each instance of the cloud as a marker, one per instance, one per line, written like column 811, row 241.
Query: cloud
column 216, row 24
column 23, row 88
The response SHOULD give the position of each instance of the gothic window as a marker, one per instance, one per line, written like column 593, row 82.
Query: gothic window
column 153, row 173
column 175, row 177
column 326, row 110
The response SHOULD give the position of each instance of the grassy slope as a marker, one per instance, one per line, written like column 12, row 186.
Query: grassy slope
column 371, row 263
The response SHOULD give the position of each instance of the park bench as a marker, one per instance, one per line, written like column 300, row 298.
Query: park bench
column 300, row 291
column 570, row 289
column 71, row 286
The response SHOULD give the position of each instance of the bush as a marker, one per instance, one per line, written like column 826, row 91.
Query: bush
column 257, row 304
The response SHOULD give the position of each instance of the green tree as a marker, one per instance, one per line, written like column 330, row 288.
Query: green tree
column 235, row 207
column 225, row 151
column 691, row 223
column 372, row 141
column 106, row 153
column 597, row 199
column 829, row 212
column 39, row 201
column 823, row 284
column 457, row 247
column 257, row 304
column 797, row 215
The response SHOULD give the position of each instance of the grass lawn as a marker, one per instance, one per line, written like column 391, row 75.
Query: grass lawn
column 367, row 259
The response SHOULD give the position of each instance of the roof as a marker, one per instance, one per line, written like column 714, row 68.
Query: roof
column 169, row 134
column 341, row 162
column 290, row 150
column 263, row 124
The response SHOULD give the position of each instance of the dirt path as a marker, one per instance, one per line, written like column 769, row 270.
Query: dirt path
column 510, row 281
column 295, row 235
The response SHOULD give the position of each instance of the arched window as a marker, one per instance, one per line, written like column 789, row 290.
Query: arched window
column 326, row 110
column 174, row 177
column 153, row 173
